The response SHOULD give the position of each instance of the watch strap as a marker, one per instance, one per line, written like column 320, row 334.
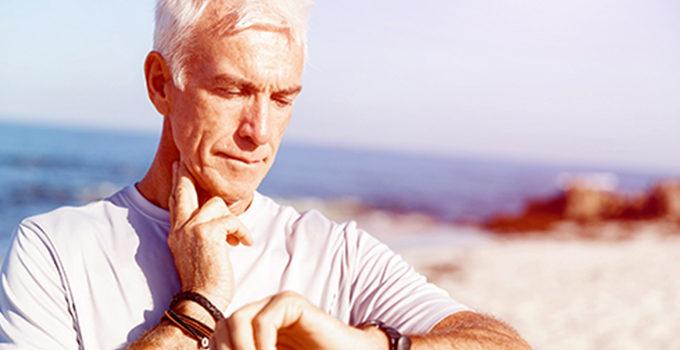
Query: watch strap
column 397, row 340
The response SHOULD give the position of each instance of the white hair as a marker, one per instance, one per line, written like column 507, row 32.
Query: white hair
column 176, row 21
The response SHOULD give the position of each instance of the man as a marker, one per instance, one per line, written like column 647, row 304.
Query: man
column 224, row 75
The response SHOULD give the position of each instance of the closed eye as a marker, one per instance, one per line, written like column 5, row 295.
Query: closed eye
column 230, row 91
column 282, row 101
column 285, row 98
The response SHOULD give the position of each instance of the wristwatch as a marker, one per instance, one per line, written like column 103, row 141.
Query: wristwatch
column 397, row 340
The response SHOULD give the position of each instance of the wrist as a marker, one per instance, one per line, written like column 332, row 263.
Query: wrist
column 220, row 300
column 395, row 340
column 376, row 338
column 194, row 310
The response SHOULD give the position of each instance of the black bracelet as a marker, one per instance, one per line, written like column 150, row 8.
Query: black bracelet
column 197, row 325
column 200, row 300
column 202, row 338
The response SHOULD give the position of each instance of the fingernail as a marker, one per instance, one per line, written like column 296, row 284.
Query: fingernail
column 232, row 240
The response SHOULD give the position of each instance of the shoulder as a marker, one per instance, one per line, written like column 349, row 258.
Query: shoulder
column 41, row 241
column 74, row 229
column 74, row 220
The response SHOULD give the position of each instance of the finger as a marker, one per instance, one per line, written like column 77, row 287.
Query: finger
column 240, row 327
column 212, row 209
column 171, row 197
column 236, row 232
column 175, row 167
column 186, row 198
column 282, row 311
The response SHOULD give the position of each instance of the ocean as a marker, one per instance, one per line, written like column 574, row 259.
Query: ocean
column 42, row 168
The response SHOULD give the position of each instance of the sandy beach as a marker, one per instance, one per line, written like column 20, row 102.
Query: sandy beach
column 568, row 294
column 613, row 286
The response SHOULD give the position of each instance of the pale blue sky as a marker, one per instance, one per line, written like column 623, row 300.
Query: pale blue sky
column 594, row 81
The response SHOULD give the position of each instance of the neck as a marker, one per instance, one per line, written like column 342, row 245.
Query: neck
column 156, row 185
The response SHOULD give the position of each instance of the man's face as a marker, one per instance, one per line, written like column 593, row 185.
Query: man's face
column 228, row 121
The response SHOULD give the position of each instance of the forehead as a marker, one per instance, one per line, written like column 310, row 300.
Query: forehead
column 265, row 57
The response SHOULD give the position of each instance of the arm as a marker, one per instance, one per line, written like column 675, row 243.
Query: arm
column 469, row 330
column 163, row 336
column 288, row 321
column 198, row 242
column 391, row 291
column 386, row 289
column 35, row 305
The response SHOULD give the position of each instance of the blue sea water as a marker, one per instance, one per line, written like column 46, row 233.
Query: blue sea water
column 42, row 168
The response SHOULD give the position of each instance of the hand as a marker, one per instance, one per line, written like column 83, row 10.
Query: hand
column 288, row 321
column 197, row 240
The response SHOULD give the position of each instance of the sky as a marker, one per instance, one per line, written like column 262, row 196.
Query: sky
column 581, row 81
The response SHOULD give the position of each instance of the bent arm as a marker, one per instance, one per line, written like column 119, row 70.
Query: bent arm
column 469, row 330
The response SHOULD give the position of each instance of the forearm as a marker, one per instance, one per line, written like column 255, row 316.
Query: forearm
column 164, row 336
column 468, row 340
column 168, row 336
column 470, row 331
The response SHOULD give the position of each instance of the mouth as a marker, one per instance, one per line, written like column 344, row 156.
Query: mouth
column 243, row 160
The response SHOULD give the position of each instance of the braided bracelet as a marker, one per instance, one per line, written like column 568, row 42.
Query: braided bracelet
column 193, row 327
column 196, row 324
column 200, row 300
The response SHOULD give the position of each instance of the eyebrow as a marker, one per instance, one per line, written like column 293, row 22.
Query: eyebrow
column 226, row 79
column 290, row 91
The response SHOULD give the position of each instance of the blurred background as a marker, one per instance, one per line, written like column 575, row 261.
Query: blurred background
column 532, row 145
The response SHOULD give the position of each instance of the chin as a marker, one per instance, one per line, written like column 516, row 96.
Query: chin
column 233, row 191
column 231, row 186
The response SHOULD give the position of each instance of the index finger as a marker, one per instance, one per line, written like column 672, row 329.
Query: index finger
column 238, row 328
column 185, row 198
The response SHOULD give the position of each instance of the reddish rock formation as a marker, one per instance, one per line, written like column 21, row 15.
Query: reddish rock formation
column 581, row 203
column 664, row 201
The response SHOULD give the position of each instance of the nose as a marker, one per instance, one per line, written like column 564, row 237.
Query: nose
column 255, row 124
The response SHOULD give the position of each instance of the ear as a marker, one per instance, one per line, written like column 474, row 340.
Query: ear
column 158, row 82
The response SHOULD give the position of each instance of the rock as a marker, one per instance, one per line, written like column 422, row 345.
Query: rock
column 664, row 200
column 590, row 205
column 585, row 203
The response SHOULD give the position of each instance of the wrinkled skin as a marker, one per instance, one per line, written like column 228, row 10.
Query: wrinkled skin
column 228, row 120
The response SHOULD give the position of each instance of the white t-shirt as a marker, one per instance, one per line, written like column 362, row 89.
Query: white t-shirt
column 100, row 275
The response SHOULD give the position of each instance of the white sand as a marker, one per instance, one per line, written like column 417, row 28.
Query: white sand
column 568, row 293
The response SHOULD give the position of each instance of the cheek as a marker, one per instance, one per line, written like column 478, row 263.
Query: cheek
column 280, row 123
column 190, row 128
column 201, row 119
column 182, row 126
column 216, row 114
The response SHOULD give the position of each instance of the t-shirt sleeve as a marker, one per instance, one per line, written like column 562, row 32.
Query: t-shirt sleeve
column 34, row 311
column 387, row 288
